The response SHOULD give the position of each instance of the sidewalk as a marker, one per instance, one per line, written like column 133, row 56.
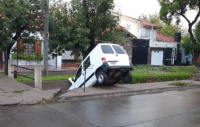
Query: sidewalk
column 118, row 90
column 16, row 93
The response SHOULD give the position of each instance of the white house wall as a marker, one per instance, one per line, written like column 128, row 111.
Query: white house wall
column 27, row 63
column 133, row 26
column 67, row 55
column 148, row 33
column 160, row 44
column 56, row 61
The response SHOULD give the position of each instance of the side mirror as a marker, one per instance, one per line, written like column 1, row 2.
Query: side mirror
column 85, row 66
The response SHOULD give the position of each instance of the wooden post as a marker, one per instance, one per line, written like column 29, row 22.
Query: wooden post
column 38, row 76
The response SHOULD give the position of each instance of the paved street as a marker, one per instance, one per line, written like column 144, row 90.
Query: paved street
column 168, row 109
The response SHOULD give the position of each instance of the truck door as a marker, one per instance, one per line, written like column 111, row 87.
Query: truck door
column 89, row 72
column 79, row 79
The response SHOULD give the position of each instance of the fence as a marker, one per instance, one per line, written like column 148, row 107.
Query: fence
column 37, row 73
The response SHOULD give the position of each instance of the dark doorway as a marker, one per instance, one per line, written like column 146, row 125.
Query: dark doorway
column 140, row 51
column 178, row 56
column 167, row 56
column 1, row 59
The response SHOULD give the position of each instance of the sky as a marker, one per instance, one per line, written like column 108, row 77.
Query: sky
column 135, row 8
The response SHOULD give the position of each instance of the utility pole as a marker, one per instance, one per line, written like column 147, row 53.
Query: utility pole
column 46, row 37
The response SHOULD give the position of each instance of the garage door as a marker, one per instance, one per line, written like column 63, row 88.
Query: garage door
column 156, row 57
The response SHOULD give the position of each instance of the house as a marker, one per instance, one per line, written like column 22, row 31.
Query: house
column 149, row 46
column 31, row 48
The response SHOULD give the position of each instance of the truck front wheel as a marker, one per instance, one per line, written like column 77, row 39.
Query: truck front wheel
column 102, row 78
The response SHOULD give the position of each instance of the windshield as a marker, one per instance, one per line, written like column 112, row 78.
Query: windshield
column 118, row 49
column 107, row 49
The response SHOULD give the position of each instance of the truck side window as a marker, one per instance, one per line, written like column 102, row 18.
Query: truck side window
column 86, row 64
column 78, row 74
column 118, row 49
column 107, row 49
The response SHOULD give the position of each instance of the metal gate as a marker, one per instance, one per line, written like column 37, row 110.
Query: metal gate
column 140, row 51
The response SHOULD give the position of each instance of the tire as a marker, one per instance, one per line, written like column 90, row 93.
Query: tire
column 102, row 78
column 127, row 78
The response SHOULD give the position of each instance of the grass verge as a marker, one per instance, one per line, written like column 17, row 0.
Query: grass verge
column 140, row 74
column 146, row 73
column 46, row 78
column 181, row 83
column 2, row 74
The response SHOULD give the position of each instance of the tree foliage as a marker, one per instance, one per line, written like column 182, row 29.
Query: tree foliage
column 187, row 44
column 171, row 9
column 18, row 19
column 167, row 29
column 66, row 33
column 77, row 25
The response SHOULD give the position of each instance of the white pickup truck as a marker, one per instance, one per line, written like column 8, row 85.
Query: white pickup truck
column 106, row 64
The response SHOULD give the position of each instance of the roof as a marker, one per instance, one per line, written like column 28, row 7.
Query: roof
column 144, row 23
column 121, row 27
column 148, row 24
column 164, row 38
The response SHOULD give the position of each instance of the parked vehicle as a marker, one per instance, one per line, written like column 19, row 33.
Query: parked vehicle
column 106, row 64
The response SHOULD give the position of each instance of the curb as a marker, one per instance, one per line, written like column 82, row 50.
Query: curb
column 126, row 93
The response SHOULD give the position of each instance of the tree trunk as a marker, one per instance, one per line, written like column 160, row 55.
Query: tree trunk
column 7, row 56
column 6, row 63
column 191, row 34
column 195, row 59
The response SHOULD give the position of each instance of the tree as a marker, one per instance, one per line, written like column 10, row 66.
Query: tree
column 167, row 29
column 187, row 45
column 178, row 8
column 98, row 17
column 18, row 19
column 79, row 23
column 66, row 33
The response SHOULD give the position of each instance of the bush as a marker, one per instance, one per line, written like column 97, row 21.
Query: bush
column 145, row 73
column 189, row 69
column 145, row 77
column 27, row 57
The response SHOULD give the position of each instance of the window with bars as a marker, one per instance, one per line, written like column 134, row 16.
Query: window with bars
column 28, row 48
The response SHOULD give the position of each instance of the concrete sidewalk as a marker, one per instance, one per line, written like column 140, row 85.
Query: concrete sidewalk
column 131, row 89
column 16, row 93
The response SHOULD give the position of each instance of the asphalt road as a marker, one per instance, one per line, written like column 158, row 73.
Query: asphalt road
column 168, row 109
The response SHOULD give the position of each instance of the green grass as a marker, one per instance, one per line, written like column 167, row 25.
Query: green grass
column 181, row 83
column 189, row 69
column 146, row 73
column 46, row 78
column 20, row 91
column 3, row 75
column 141, row 74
